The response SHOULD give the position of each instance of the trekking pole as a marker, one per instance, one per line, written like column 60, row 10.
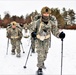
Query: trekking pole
column 31, row 50
column 61, row 55
column 7, row 46
column 27, row 57
column 22, row 48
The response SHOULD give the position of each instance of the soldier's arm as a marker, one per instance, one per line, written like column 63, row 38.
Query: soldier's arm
column 55, row 30
column 8, row 33
column 31, row 26
column 53, row 18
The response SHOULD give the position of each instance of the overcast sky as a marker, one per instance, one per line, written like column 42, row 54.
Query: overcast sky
column 18, row 7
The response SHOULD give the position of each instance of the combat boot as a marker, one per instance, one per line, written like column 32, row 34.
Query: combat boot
column 39, row 71
column 13, row 53
column 18, row 55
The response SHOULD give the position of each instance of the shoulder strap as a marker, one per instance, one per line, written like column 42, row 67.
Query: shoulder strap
column 39, row 25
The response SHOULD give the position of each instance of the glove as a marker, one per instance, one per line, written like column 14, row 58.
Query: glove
column 33, row 34
column 8, row 36
column 62, row 35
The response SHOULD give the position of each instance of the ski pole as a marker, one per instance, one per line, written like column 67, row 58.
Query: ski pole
column 22, row 48
column 27, row 57
column 7, row 46
column 31, row 50
column 61, row 55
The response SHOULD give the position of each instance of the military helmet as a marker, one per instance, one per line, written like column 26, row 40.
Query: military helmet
column 45, row 10
column 13, row 23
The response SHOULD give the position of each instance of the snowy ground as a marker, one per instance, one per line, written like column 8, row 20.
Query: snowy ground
column 10, row 64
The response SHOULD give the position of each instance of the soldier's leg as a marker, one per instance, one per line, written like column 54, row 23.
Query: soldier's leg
column 18, row 48
column 13, row 47
column 40, row 60
column 42, row 54
column 46, row 48
column 40, row 57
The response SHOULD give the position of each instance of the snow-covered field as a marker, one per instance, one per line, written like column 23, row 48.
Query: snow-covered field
column 10, row 64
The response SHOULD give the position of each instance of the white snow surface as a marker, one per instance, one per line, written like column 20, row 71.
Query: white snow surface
column 10, row 64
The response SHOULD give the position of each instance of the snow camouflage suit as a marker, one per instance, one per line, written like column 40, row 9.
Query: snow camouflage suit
column 45, row 30
column 15, row 36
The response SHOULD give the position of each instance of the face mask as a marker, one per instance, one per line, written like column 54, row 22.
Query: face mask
column 45, row 18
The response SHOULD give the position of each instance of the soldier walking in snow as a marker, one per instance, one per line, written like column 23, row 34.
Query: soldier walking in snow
column 44, row 28
column 14, row 33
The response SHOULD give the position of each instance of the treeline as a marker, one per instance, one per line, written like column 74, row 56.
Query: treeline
column 60, row 16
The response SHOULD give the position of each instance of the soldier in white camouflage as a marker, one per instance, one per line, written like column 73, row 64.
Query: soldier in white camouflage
column 44, row 28
column 14, row 33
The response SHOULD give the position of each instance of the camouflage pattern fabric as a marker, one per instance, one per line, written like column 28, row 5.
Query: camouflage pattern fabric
column 45, row 30
column 15, row 35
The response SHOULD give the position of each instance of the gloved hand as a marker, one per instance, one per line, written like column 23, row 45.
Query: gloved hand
column 8, row 36
column 62, row 35
column 33, row 34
